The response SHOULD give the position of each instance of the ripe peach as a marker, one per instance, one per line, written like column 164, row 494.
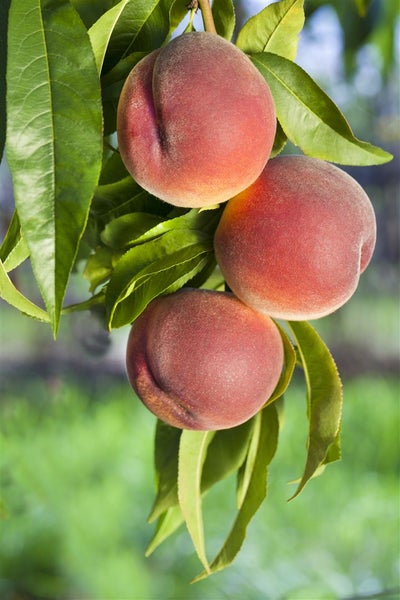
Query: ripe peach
column 195, row 121
column 200, row 359
column 294, row 243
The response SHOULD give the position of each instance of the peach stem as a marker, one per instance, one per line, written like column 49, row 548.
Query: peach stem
column 207, row 16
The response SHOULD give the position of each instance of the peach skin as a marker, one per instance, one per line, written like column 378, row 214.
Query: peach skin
column 200, row 359
column 196, row 121
column 293, row 245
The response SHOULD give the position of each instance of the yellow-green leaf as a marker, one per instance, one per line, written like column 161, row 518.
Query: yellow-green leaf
column 12, row 296
column 324, row 396
column 192, row 453
column 310, row 119
column 275, row 29
column 262, row 450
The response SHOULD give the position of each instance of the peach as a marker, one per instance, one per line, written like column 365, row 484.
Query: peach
column 294, row 243
column 201, row 359
column 195, row 121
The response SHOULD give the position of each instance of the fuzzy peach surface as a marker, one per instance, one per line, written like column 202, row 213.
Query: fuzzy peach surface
column 200, row 359
column 196, row 121
column 294, row 243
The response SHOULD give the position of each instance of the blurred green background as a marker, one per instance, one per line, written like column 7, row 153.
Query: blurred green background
column 76, row 470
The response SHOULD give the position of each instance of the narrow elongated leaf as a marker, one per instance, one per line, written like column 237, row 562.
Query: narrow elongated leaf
column 167, row 524
column 362, row 6
column 123, row 197
column 274, row 29
column 310, row 119
column 100, row 32
column 54, row 136
column 254, row 493
column 115, row 196
column 226, row 453
column 247, row 468
column 4, row 6
column 91, row 10
column 289, row 365
column 123, row 231
column 324, row 396
column 118, row 74
column 142, row 25
column 17, row 256
column 138, row 227
column 158, row 256
column 279, row 141
column 192, row 453
column 99, row 267
column 178, row 11
column 166, row 449
column 224, row 18
column 13, row 250
column 163, row 277
column 112, row 84
column 12, row 296
column 194, row 220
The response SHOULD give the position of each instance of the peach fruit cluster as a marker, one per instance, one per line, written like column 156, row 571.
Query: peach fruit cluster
column 196, row 125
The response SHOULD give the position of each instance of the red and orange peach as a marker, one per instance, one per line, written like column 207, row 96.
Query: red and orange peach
column 201, row 359
column 196, row 121
column 293, row 245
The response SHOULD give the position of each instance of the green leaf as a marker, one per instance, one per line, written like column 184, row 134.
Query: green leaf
column 90, row 11
column 275, row 29
column 114, row 196
column 4, row 7
column 54, row 136
column 149, row 269
column 100, row 32
column 123, row 197
column 289, row 365
column 362, row 6
column 192, row 453
column 324, row 397
column 12, row 296
column 167, row 524
column 123, row 231
column 279, row 141
column 17, row 256
column 226, row 453
column 166, row 449
column 118, row 74
column 310, row 118
column 201, row 221
column 177, row 13
column 142, row 26
column 224, row 18
column 13, row 250
column 113, row 169
column 165, row 275
column 262, row 449
column 99, row 266
column 245, row 472
column 137, row 228
column 112, row 83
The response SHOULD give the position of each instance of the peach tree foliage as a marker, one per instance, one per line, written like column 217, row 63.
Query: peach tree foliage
column 78, row 213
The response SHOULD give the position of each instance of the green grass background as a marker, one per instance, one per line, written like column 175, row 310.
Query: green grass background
column 77, row 486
